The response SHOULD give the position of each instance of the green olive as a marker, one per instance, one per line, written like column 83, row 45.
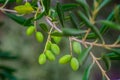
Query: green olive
column 77, row 47
column 74, row 64
column 55, row 49
column 39, row 36
column 30, row 30
column 50, row 55
column 65, row 59
column 42, row 58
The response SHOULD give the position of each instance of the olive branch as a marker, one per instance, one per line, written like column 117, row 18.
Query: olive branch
column 78, row 36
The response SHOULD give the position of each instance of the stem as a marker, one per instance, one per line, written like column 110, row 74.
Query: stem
column 48, row 39
column 70, row 43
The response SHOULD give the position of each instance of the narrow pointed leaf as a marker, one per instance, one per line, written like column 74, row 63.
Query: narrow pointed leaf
column 104, row 28
column 85, row 6
column 103, row 3
column 60, row 13
column 72, row 32
column 3, row 1
column 70, row 6
column 43, row 27
column 47, row 5
column 110, row 24
column 74, row 20
column 107, row 62
column 87, row 72
column 117, row 51
column 19, row 19
column 83, row 55
column 87, row 22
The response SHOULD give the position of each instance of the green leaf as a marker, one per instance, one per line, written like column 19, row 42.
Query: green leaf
column 72, row 32
column 60, row 13
column 85, row 6
column 117, row 51
column 87, row 72
column 113, row 56
column 110, row 24
column 3, row 1
column 106, row 61
column 74, row 20
column 87, row 22
column 104, row 28
column 39, row 16
column 7, row 55
column 103, row 4
column 19, row 19
column 46, row 4
column 9, row 69
column 43, row 27
column 116, row 14
column 83, row 55
column 58, row 34
column 69, row 6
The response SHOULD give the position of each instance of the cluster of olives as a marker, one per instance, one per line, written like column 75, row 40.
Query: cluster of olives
column 38, row 35
column 52, row 49
column 74, row 63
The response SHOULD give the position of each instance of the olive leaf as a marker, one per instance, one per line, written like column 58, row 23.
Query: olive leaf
column 87, row 72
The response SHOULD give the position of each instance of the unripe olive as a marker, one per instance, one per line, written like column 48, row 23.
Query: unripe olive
column 49, row 45
column 42, row 58
column 77, row 47
column 56, row 39
column 74, row 64
column 50, row 55
column 55, row 49
column 65, row 59
column 30, row 30
column 39, row 36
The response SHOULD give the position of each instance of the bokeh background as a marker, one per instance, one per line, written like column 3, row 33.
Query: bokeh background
column 14, row 40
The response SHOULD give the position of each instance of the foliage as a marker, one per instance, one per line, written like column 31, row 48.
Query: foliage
column 84, row 28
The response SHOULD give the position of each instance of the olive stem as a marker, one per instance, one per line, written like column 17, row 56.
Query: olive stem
column 70, row 46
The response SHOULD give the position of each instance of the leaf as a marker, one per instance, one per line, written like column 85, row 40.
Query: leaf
column 72, row 32
column 58, row 34
column 3, row 1
column 69, row 6
column 113, row 56
column 19, row 19
column 7, row 55
column 83, row 55
column 87, row 72
column 8, row 69
column 110, row 24
column 84, row 5
column 74, row 20
column 60, row 13
column 116, row 14
column 39, row 16
column 103, row 4
column 43, row 27
column 116, row 51
column 46, row 4
column 104, row 28
column 106, row 61
column 87, row 22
